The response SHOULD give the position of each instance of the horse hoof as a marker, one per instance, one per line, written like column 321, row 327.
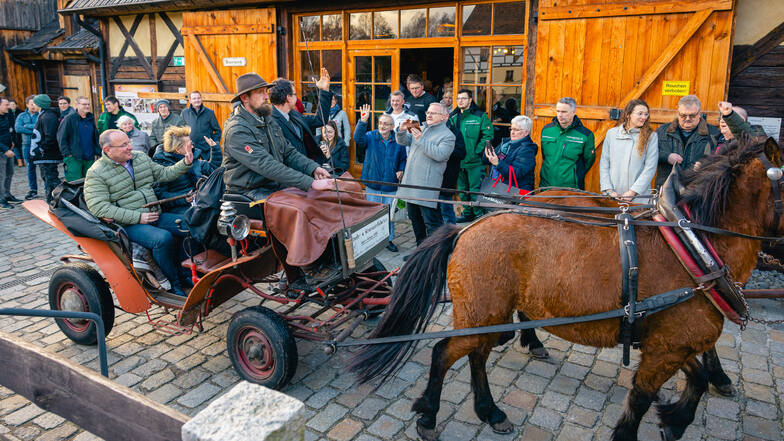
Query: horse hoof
column 540, row 353
column 426, row 434
column 504, row 426
column 725, row 390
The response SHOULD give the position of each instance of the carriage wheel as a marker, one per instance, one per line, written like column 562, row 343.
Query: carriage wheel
column 79, row 287
column 261, row 347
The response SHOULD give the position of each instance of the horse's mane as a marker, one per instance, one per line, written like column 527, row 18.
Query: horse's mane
column 708, row 188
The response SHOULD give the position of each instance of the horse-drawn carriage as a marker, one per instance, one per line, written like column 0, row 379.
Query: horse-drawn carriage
column 341, row 285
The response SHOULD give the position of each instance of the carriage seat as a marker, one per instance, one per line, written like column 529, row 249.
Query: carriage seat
column 242, row 204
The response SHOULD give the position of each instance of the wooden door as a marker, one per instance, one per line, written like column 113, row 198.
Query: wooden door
column 222, row 45
column 75, row 86
column 372, row 76
column 604, row 55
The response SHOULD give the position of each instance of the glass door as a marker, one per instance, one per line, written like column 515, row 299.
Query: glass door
column 372, row 76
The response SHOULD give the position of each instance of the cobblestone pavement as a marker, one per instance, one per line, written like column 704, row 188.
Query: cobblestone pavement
column 576, row 395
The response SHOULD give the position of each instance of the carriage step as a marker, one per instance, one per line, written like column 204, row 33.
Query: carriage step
column 207, row 261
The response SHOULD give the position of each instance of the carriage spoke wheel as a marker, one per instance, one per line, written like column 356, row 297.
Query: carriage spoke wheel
column 78, row 287
column 261, row 347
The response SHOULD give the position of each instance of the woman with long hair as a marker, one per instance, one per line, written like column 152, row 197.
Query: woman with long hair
column 629, row 154
column 333, row 146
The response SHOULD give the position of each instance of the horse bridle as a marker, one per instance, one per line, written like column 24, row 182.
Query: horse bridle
column 776, row 177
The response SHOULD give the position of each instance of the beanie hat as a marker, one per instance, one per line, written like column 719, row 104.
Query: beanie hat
column 43, row 101
column 162, row 101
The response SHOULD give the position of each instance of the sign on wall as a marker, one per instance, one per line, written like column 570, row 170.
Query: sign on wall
column 142, row 108
column 675, row 88
column 178, row 61
column 234, row 61
column 772, row 126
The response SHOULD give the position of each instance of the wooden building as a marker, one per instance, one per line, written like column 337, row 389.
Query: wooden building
column 520, row 56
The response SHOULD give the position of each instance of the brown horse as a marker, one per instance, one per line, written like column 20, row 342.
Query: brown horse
column 544, row 268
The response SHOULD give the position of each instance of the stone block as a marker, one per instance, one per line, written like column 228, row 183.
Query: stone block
column 248, row 412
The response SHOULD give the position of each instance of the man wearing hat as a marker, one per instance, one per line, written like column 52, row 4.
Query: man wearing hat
column 165, row 120
column 258, row 158
column 44, row 150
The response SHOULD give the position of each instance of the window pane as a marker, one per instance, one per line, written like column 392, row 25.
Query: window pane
column 333, row 28
column 412, row 23
column 333, row 61
column 475, row 69
column 385, row 24
column 506, row 105
column 442, row 22
column 310, row 27
column 480, row 97
column 508, row 64
column 363, row 96
column 359, row 26
column 383, row 69
column 476, row 19
column 508, row 18
column 362, row 72
column 381, row 97
column 309, row 97
column 306, row 60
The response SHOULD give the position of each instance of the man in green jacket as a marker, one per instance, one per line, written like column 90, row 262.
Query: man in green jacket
column 568, row 150
column 258, row 158
column 117, row 186
column 476, row 128
column 165, row 120
column 108, row 119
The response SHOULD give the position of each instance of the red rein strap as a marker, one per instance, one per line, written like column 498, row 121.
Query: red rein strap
column 694, row 269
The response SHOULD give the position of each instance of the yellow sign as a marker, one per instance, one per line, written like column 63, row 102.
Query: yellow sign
column 675, row 88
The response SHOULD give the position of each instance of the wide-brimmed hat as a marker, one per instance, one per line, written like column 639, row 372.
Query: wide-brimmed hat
column 248, row 82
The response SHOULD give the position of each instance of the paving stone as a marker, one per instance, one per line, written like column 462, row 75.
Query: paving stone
column 532, row 383
column 722, row 407
column 546, row 418
column 564, row 384
column 199, row 395
column 601, row 384
column 165, row 393
column 570, row 432
column 757, row 376
column 385, row 427
column 456, row 392
column 760, row 409
column 86, row 436
column 191, row 378
column 27, row 433
column 556, row 401
column 22, row 415
column 345, row 430
column 590, row 399
column 721, row 428
column 157, row 380
column 128, row 379
column 458, row 431
column 582, row 416
column 48, row 421
column 59, row 433
column 541, row 369
column 149, row 368
column 761, row 428
column 323, row 420
column 369, row 408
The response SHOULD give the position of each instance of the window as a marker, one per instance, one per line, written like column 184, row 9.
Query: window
column 493, row 19
column 310, row 63
column 321, row 28
column 385, row 25
column 359, row 26
column 413, row 23
column 442, row 22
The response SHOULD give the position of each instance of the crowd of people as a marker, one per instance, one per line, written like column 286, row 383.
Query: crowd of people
column 422, row 151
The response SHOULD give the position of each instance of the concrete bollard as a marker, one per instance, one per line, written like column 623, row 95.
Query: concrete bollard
column 248, row 412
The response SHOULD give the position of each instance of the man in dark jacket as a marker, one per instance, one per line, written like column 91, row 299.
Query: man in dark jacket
column 6, row 154
column 165, row 120
column 43, row 145
column 15, row 111
column 203, row 123
column 78, row 140
column 298, row 129
column 258, row 158
column 685, row 140
column 419, row 100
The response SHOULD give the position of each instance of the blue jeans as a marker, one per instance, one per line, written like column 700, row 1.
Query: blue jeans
column 159, row 237
column 387, row 199
column 32, row 176
column 447, row 210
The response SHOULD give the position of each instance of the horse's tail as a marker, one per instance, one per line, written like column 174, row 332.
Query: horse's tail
column 414, row 297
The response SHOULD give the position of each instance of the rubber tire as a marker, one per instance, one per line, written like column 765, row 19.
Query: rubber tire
column 96, row 292
column 276, row 332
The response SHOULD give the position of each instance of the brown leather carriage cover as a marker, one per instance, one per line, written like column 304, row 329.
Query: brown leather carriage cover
column 304, row 222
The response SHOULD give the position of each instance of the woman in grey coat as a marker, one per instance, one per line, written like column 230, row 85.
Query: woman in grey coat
column 140, row 141
column 629, row 155
column 430, row 150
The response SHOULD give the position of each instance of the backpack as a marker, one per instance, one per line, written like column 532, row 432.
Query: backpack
column 202, row 216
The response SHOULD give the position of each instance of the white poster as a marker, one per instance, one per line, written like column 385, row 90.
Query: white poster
column 142, row 108
column 772, row 126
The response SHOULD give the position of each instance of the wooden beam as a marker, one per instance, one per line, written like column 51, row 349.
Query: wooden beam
column 153, row 46
column 530, row 59
column 211, row 69
column 629, row 8
column 165, row 65
column 139, row 54
column 264, row 28
column 124, row 48
column 658, row 66
column 213, row 97
column 172, row 28
column 84, row 397
column 603, row 113
column 765, row 44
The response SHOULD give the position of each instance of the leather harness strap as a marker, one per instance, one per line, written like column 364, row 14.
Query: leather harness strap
column 631, row 329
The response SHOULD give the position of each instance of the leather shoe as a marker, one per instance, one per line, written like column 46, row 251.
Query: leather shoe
column 30, row 195
column 392, row 247
column 5, row 204
column 12, row 199
column 464, row 219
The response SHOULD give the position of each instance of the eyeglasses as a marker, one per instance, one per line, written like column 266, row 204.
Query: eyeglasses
column 125, row 144
column 688, row 115
column 434, row 113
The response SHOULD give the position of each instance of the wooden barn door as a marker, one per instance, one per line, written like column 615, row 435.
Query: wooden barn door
column 222, row 45
column 604, row 55
column 75, row 86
